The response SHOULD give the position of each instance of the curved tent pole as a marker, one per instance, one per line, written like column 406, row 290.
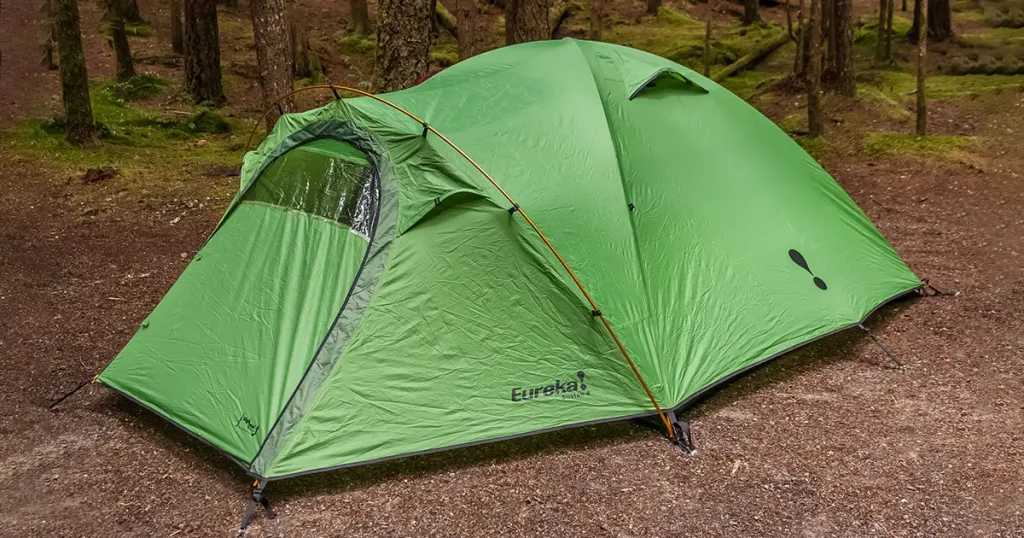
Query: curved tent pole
column 515, row 207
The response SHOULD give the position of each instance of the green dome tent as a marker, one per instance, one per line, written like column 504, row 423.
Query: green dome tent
column 370, row 294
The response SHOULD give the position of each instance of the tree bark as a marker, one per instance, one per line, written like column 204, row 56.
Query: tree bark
column 922, row 103
column 299, row 49
column 750, row 15
column 49, row 9
column 202, row 52
column 653, row 6
column 799, row 59
column 74, row 79
column 122, row 51
column 880, row 32
column 360, row 17
column 814, row 121
column 707, row 42
column 938, row 21
column 527, row 20
column 466, row 18
column 177, row 30
column 890, row 7
column 843, row 23
column 132, row 13
column 403, row 43
column 271, row 37
column 829, row 29
column 596, row 22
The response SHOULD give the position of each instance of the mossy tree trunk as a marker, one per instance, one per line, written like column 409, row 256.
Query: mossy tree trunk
column 299, row 51
column 466, row 15
column 750, row 15
column 843, row 23
column 814, row 120
column 177, row 30
column 359, row 16
column 202, row 52
column 74, row 79
column 51, row 42
column 922, row 46
column 527, row 20
column 799, row 59
column 271, row 37
column 122, row 50
column 403, row 43
column 653, row 6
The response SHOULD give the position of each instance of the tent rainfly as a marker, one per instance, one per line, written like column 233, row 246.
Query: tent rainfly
column 371, row 292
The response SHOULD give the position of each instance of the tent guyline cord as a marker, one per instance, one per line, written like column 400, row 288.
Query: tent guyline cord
column 675, row 431
column 888, row 352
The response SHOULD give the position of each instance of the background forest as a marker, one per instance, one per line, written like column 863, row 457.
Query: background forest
column 122, row 127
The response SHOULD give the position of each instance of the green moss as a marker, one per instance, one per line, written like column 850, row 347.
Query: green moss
column 746, row 83
column 793, row 122
column 357, row 45
column 204, row 121
column 886, row 104
column 943, row 148
column 866, row 35
column 134, row 89
column 899, row 86
column 676, row 36
column 817, row 147
column 444, row 53
column 138, row 29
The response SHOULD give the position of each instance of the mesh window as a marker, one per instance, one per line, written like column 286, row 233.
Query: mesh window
column 324, row 177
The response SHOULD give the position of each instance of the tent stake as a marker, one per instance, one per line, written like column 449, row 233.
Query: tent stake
column 257, row 498
column 878, row 342
column 682, row 436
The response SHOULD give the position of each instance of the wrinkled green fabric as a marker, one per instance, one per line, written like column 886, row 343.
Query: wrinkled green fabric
column 708, row 238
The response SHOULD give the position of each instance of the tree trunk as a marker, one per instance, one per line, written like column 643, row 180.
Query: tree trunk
column 49, row 9
column 131, row 12
column 74, row 79
column 880, row 32
column 271, row 36
column 527, row 20
column 202, row 52
column 652, row 6
column 360, row 17
column 299, row 48
column 940, row 26
column 403, row 43
column 466, row 15
column 789, row 22
column 843, row 23
column 922, row 103
column 596, row 16
column 829, row 19
column 122, row 51
column 814, row 121
column 707, row 42
column 903, row 8
column 890, row 7
column 231, row 4
column 799, row 59
column 177, row 31
column 750, row 15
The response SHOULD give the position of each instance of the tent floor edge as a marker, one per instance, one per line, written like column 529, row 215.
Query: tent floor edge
column 256, row 498
column 681, row 434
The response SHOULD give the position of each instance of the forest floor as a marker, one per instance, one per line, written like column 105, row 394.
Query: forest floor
column 825, row 441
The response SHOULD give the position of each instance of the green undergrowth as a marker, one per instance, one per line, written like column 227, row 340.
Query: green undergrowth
column 134, row 89
column 156, row 156
column 355, row 44
column 900, row 86
column 747, row 84
column 444, row 53
column 676, row 36
column 866, row 34
column 817, row 147
column 948, row 148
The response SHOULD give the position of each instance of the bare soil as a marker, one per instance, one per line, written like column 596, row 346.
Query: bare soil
column 826, row 441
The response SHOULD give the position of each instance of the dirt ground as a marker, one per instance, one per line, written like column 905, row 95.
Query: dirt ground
column 826, row 441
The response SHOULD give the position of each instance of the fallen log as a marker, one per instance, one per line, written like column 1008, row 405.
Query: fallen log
column 446, row 20
column 751, row 58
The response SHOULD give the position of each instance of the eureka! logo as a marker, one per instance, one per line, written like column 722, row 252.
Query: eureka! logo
column 567, row 390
